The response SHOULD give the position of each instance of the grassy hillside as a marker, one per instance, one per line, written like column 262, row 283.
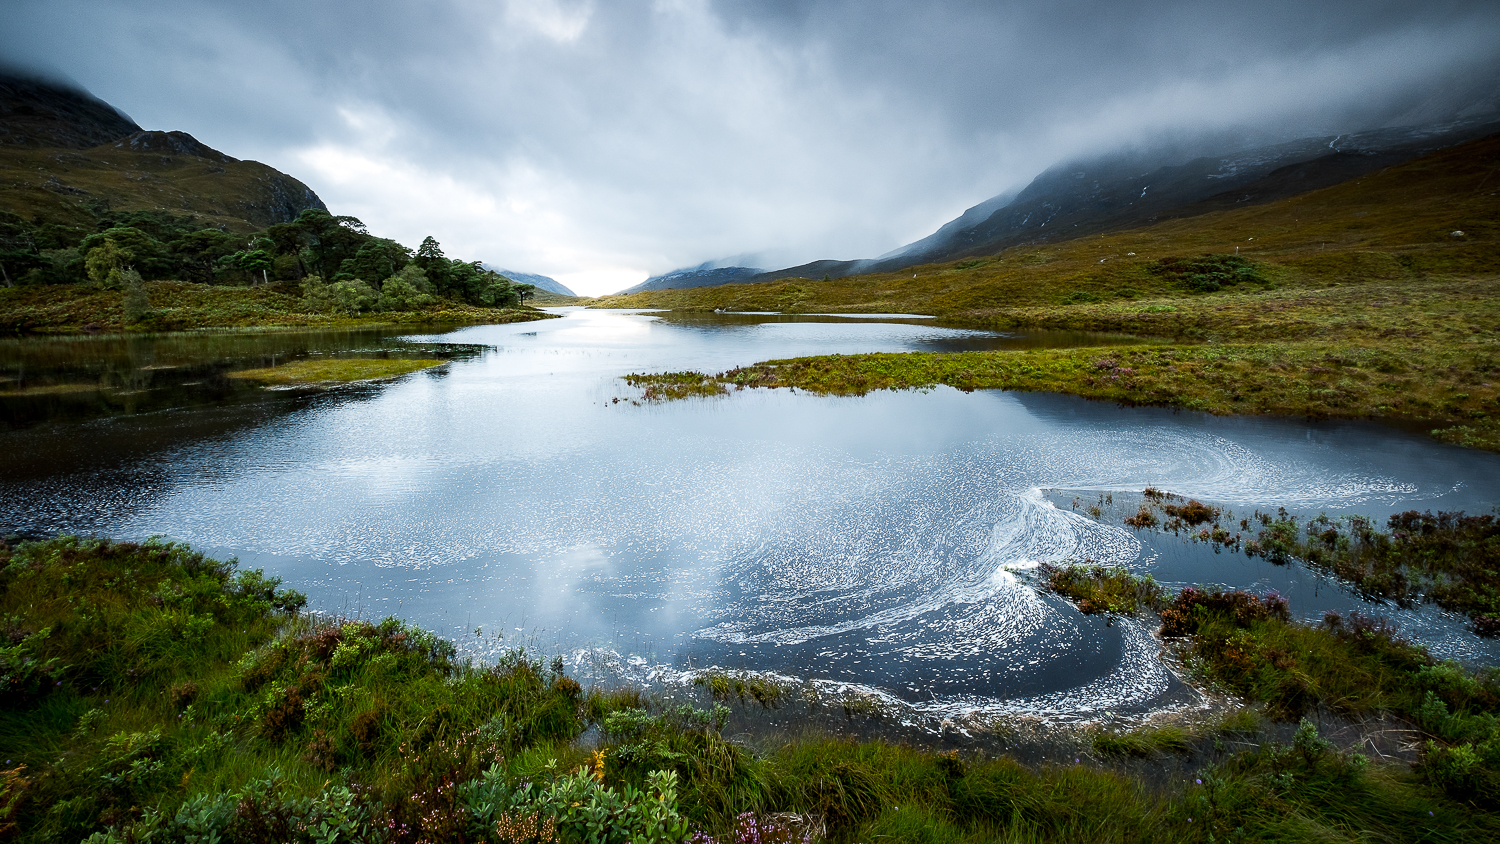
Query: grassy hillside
column 62, row 186
column 1390, row 227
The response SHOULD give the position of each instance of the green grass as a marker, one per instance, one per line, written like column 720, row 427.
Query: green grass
column 334, row 370
column 151, row 692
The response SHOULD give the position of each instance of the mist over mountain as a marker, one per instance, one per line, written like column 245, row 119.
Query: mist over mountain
column 1137, row 188
column 66, row 155
column 707, row 274
column 542, row 282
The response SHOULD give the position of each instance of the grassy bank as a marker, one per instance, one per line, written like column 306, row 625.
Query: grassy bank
column 180, row 305
column 1448, row 391
column 152, row 694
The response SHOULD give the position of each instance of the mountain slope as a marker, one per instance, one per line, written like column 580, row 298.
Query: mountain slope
column 1395, row 224
column 702, row 275
column 542, row 282
column 1122, row 192
column 65, row 156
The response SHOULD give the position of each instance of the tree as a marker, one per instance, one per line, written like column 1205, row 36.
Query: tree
column 406, row 291
column 318, row 297
column 254, row 261
column 497, row 291
column 104, row 262
column 376, row 258
column 136, row 304
column 439, row 270
column 148, row 255
column 198, row 252
column 354, row 295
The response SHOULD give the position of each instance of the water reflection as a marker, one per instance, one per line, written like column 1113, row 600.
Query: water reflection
column 882, row 541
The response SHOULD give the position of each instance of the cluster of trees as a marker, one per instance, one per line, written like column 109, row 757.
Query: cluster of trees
column 336, row 262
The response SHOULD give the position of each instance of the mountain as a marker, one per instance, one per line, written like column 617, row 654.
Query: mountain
column 66, row 156
column 703, row 275
column 1132, row 190
column 542, row 282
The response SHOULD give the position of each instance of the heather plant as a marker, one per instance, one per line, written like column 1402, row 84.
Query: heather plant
column 1097, row 589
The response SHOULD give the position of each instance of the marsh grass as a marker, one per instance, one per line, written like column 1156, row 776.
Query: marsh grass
column 153, row 694
column 1450, row 559
column 1448, row 387
column 1097, row 589
column 675, row 385
column 334, row 370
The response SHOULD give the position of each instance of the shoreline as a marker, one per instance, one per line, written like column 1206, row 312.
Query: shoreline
column 1426, row 390
column 76, row 311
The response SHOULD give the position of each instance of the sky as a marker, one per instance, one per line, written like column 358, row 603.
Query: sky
column 603, row 142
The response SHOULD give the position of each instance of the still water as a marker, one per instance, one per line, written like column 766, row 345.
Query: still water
column 880, row 543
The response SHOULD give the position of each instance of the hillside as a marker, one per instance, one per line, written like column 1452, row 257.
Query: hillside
column 1132, row 190
column 66, row 156
column 703, row 275
column 1392, row 226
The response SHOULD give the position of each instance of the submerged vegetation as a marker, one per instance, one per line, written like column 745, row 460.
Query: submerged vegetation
column 150, row 693
column 1451, row 559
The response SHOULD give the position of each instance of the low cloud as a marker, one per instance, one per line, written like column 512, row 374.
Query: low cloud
column 604, row 142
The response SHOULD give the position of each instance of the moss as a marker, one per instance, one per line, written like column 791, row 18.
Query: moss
column 334, row 370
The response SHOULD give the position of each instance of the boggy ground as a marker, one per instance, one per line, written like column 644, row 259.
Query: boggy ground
column 182, row 305
column 150, row 693
column 1377, row 298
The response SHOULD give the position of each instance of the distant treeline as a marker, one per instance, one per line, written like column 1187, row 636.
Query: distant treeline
column 337, row 263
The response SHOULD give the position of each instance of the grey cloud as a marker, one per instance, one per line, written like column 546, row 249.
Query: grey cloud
column 566, row 136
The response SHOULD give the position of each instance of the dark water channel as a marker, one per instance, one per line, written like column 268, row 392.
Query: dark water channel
column 881, row 544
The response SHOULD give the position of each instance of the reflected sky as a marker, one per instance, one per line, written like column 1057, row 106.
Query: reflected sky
column 882, row 541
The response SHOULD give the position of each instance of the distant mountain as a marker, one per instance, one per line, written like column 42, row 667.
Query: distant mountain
column 703, row 275
column 66, row 155
column 542, row 282
column 1127, row 191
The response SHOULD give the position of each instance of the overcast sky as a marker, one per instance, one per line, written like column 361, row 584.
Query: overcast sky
column 602, row 142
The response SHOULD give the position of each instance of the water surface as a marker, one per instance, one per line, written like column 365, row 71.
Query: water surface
column 520, row 495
